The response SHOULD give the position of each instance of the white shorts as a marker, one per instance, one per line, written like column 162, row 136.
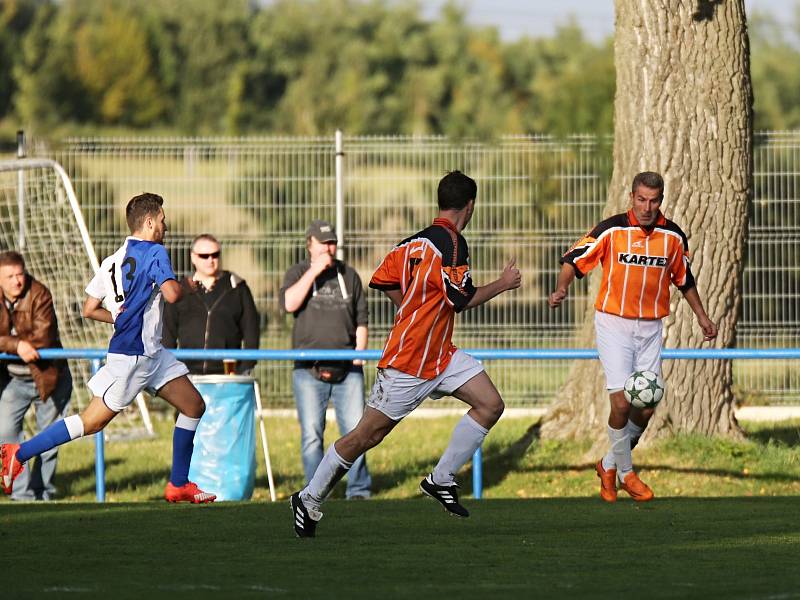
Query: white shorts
column 397, row 394
column 119, row 381
column 627, row 345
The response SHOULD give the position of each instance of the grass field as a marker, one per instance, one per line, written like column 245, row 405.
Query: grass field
column 725, row 523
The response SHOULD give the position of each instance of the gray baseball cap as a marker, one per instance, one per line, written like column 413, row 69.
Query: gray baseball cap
column 322, row 231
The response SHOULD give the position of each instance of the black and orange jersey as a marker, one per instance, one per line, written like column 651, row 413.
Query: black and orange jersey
column 431, row 269
column 638, row 264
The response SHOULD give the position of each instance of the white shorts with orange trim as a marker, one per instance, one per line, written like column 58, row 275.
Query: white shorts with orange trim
column 119, row 381
column 397, row 394
column 627, row 345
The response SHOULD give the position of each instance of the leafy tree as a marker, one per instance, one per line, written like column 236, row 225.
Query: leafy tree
column 113, row 63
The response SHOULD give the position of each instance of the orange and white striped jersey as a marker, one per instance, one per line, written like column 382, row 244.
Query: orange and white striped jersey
column 431, row 269
column 638, row 264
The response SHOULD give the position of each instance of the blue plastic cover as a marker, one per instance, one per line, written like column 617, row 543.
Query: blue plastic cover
column 224, row 456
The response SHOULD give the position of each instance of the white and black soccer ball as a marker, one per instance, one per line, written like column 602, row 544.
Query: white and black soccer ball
column 644, row 389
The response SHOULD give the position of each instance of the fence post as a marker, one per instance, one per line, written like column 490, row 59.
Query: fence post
column 21, row 152
column 339, row 195
column 99, row 454
column 477, row 473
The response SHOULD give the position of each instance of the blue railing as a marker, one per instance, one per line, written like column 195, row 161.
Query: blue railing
column 96, row 355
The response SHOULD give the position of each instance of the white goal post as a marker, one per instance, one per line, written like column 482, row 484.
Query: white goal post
column 40, row 217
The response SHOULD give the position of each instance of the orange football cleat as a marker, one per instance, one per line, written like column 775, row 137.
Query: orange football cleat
column 608, row 482
column 11, row 467
column 188, row 492
column 637, row 489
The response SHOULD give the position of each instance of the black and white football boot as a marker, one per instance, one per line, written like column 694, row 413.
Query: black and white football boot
column 447, row 495
column 305, row 520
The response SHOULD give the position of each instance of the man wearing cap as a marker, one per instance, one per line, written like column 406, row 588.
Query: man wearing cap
column 327, row 300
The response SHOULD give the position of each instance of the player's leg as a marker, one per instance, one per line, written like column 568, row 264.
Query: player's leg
column 373, row 427
column 181, row 393
column 647, row 358
column 348, row 402
column 394, row 395
column 486, row 407
column 93, row 419
column 337, row 461
column 465, row 379
column 47, row 413
column 646, row 339
column 614, row 337
column 311, row 400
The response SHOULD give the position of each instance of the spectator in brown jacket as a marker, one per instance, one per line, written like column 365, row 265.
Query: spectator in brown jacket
column 28, row 322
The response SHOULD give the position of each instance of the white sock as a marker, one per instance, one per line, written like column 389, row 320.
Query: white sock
column 608, row 460
column 74, row 426
column 332, row 468
column 621, row 449
column 467, row 437
column 188, row 423
column 633, row 429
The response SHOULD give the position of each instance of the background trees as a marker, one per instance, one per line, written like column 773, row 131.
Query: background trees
column 309, row 67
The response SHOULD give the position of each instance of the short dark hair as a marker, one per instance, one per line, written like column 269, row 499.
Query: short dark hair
column 140, row 207
column 11, row 257
column 204, row 236
column 649, row 179
column 456, row 190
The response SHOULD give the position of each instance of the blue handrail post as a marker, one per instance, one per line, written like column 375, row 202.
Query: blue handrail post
column 99, row 454
column 477, row 473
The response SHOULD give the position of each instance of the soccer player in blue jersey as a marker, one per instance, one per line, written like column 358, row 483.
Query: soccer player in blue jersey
column 132, row 283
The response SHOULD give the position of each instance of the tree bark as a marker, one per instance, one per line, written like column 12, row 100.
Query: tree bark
column 683, row 107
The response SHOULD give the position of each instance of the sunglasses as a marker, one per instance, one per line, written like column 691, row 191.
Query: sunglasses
column 205, row 256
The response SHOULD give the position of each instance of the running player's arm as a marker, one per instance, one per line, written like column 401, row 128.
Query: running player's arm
column 171, row 290
column 584, row 256
column 95, row 293
column 396, row 296
column 510, row 279
column 93, row 309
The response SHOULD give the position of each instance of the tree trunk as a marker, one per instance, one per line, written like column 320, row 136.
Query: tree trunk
column 683, row 107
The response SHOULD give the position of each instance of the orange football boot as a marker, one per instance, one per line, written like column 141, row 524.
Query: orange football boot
column 189, row 492
column 11, row 467
column 637, row 489
column 608, row 482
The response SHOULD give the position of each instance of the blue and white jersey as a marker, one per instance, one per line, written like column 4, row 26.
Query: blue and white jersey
column 129, row 284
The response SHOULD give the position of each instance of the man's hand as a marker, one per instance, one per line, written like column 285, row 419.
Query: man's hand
column 511, row 276
column 321, row 262
column 359, row 362
column 27, row 352
column 556, row 298
column 709, row 329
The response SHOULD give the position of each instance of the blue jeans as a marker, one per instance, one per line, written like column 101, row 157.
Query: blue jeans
column 36, row 481
column 312, row 396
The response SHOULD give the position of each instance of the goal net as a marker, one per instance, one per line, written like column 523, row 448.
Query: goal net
column 40, row 218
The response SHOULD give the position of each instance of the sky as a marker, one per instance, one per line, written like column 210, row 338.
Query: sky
column 535, row 18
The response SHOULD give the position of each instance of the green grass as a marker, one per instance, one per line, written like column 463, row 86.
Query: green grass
column 725, row 523
column 574, row 547
column 516, row 463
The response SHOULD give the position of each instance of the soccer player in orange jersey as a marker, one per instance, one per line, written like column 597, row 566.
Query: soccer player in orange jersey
column 641, row 253
column 427, row 277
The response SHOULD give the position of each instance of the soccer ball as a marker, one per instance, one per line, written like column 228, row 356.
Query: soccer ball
column 644, row 389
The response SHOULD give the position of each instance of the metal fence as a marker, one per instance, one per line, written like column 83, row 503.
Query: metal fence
column 536, row 195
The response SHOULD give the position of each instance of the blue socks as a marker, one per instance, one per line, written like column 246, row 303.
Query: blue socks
column 182, row 446
column 58, row 433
